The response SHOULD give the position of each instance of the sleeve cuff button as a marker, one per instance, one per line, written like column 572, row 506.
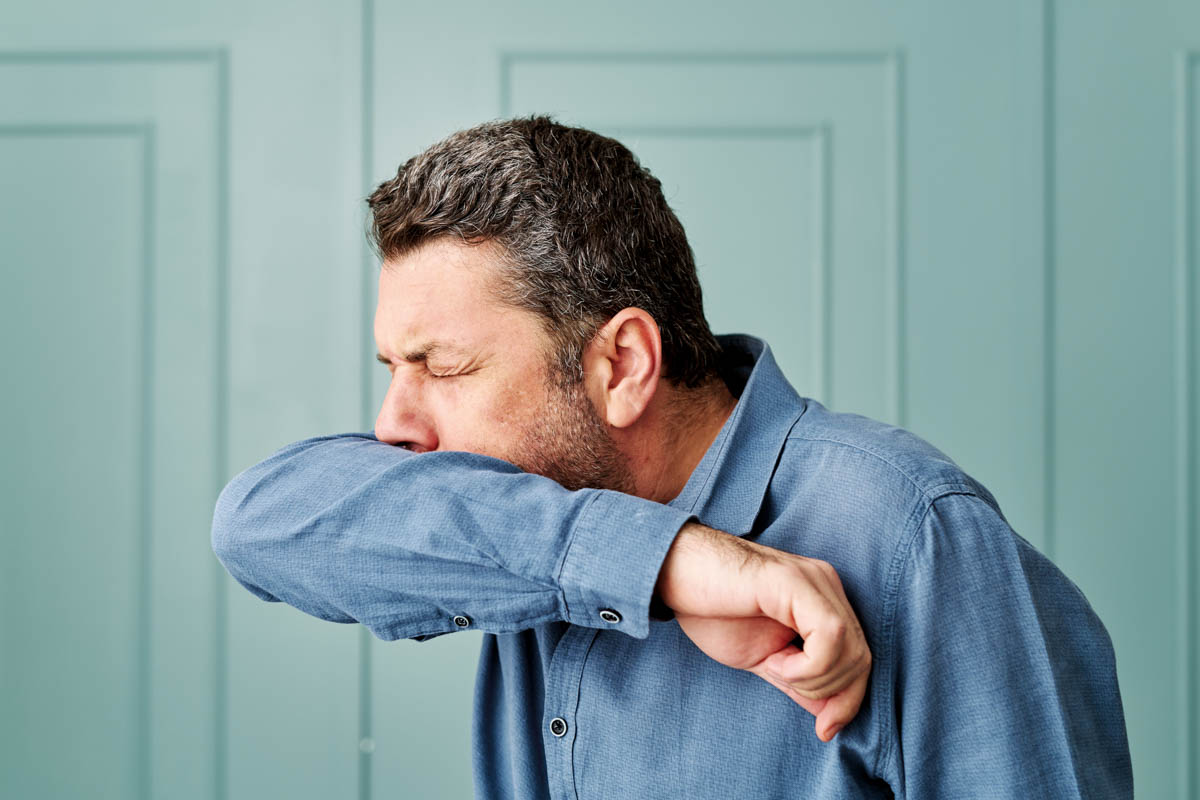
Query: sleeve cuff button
column 462, row 621
column 608, row 615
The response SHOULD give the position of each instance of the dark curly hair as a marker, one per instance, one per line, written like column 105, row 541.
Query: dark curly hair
column 583, row 230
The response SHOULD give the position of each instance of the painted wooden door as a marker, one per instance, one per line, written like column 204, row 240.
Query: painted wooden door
column 973, row 219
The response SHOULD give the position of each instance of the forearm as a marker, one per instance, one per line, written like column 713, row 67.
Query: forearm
column 347, row 528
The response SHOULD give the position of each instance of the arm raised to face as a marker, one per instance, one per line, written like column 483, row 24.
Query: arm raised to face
column 349, row 529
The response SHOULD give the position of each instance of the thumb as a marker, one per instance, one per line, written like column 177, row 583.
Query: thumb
column 831, row 712
column 840, row 708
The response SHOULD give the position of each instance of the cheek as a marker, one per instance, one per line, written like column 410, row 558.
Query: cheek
column 478, row 418
column 505, row 416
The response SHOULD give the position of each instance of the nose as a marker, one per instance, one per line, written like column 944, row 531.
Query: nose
column 403, row 420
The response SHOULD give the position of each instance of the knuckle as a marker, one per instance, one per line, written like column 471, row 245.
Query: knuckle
column 823, row 568
column 824, row 661
column 836, row 631
column 861, row 667
column 809, row 694
column 836, row 579
column 797, row 570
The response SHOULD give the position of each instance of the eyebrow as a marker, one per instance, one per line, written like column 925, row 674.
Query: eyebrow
column 422, row 353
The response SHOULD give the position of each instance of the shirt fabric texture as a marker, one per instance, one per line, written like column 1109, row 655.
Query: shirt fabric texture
column 992, row 676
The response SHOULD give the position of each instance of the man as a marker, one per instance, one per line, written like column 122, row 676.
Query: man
column 539, row 309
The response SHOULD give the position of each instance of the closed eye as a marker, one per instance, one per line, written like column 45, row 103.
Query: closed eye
column 422, row 357
column 444, row 373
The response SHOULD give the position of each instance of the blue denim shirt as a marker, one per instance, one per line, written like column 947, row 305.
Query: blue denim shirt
column 992, row 676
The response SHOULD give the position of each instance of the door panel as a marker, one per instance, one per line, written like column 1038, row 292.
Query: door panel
column 84, row 689
column 112, row 421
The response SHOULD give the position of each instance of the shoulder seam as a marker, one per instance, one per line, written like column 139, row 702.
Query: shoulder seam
column 887, row 732
column 930, row 493
column 891, row 599
column 926, row 497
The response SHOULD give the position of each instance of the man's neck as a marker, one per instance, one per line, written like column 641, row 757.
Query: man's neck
column 677, row 434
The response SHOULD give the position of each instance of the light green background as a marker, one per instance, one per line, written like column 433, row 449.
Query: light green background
column 977, row 220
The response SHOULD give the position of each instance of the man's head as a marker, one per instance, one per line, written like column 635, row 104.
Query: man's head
column 553, row 257
column 584, row 231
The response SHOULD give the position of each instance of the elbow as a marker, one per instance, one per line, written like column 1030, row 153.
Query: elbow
column 229, row 521
column 223, row 535
column 232, row 538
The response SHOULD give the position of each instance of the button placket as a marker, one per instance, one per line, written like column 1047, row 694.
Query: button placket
column 562, row 693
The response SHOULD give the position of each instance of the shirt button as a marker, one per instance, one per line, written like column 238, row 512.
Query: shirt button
column 558, row 726
column 462, row 621
column 608, row 615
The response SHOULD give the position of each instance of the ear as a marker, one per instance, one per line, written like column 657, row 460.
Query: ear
column 622, row 365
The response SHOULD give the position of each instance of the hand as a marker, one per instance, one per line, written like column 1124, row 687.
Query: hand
column 743, row 604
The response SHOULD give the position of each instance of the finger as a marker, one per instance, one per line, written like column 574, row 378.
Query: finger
column 824, row 579
column 854, row 632
column 798, row 693
column 833, row 649
column 839, row 709
column 831, row 714
column 816, row 687
column 823, row 652
column 814, row 707
column 822, row 616
column 792, row 665
column 816, row 607
column 799, row 594
column 835, row 611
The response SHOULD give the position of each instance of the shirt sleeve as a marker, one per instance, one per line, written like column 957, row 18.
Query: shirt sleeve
column 350, row 529
column 1006, row 682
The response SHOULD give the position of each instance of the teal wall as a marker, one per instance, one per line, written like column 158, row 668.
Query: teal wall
column 977, row 220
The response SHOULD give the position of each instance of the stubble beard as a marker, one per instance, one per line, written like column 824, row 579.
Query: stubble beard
column 571, row 444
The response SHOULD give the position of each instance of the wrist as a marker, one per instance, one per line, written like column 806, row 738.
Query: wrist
column 710, row 572
column 686, row 541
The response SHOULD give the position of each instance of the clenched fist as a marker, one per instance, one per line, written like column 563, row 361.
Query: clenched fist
column 743, row 604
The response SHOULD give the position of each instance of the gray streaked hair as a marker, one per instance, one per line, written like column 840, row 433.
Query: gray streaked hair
column 583, row 231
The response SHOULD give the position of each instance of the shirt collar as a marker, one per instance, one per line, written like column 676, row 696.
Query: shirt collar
column 726, row 489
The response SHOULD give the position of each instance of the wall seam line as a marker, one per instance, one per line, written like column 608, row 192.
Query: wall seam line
column 146, row 479
column 1049, row 279
column 222, row 428
column 365, row 745
column 1186, row 565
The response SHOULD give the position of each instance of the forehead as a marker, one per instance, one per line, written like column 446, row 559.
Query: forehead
column 444, row 292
